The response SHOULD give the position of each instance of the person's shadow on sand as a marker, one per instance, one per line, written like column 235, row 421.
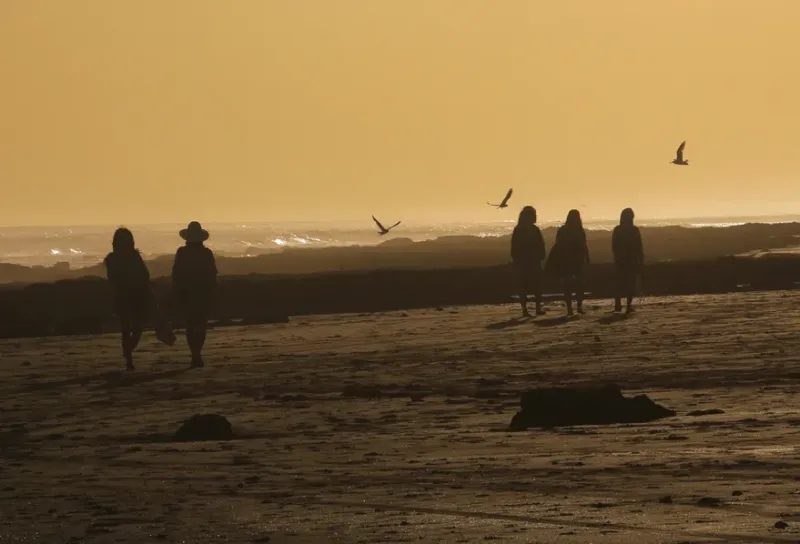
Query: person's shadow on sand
column 553, row 321
column 500, row 325
column 612, row 318
column 114, row 378
column 125, row 379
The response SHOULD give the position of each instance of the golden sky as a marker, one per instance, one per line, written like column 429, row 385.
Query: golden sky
column 132, row 111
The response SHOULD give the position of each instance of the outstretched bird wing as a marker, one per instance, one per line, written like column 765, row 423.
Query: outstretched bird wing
column 508, row 195
column 680, row 151
column 378, row 223
column 393, row 226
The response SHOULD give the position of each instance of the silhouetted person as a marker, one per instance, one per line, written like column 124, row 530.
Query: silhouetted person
column 569, row 258
column 194, row 280
column 130, row 282
column 626, row 244
column 527, row 252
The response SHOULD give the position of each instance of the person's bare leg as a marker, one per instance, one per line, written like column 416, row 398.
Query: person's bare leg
column 136, row 336
column 579, row 292
column 537, row 287
column 523, row 292
column 568, row 294
column 127, row 343
column 539, row 309
column 196, row 337
column 630, row 290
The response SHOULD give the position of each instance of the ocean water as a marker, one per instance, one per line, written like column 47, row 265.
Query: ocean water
column 82, row 246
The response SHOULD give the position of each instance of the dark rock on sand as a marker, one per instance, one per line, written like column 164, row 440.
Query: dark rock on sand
column 201, row 427
column 712, row 412
column 603, row 405
column 781, row 525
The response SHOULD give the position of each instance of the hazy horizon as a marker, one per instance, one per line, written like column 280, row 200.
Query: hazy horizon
column 367, row 224
column 141, row 113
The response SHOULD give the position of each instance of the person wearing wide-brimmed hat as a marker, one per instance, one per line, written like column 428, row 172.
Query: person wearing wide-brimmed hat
column 194, row 279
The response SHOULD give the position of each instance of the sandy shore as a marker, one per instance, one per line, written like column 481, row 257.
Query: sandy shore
column 392, row 428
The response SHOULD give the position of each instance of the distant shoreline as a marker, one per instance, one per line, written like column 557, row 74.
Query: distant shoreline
column 671, row 243
column 703, row 220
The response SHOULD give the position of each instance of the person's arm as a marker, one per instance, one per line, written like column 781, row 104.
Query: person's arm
column 639, row 247
column 212, row 270
column 111, row 274
column 177, row 270
column 538, row 244
column 515, row 245
column 143, row 271
column 586, row 248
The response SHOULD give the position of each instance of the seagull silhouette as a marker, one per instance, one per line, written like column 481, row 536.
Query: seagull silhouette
column 504, row 203
column 384, row 230
column 679, row 156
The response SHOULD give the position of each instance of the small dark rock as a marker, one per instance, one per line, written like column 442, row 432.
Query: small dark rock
column 781, row 525
column 666, row 499
column 201, row 427
column 710, row 502
column 711, row 412
column 294, row 398
column 737, row 493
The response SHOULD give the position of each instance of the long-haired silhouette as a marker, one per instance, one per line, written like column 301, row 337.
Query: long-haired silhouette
column 504, row 203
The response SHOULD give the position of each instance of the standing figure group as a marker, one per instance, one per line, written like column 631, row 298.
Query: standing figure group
column 194, row 276
column 569, row 259
column 194, row 281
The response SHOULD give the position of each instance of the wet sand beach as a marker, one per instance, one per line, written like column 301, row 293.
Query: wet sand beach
column 392, row 427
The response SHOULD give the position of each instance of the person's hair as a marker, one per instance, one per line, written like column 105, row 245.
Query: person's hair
column 123, row 240
column 626, row 217
column 527, row 216
column 574, row 219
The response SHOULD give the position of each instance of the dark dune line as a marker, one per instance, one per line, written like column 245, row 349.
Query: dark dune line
column 84, row 306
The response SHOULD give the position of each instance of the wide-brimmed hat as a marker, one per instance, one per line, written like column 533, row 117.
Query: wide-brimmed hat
column 194, row 232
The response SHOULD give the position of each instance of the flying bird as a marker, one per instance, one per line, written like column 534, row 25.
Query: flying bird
column 679, row 156
column 504, row 203
column 383, row 230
